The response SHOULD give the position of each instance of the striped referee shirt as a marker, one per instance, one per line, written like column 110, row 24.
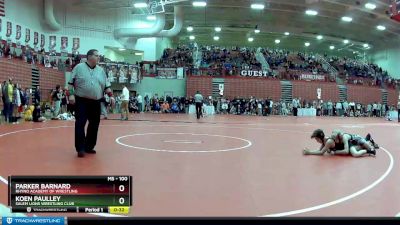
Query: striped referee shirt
column 89, row 82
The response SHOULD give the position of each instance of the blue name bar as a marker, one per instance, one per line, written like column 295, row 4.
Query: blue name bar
column 33, row 220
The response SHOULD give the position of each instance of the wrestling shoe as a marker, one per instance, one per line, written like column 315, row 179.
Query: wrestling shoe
column 376, row 146
column 81, row 154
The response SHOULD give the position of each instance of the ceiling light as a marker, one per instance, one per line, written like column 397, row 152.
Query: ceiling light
column 277, row 41
column 217, row 29
column 191, row 37
column 365, row 45
column 138, row 53
column 287, row 33
column 189, row 28
column 151, row 17
column 311, row 12
column 199, row 3
column 216, row 38
column 347, row 19
column 380, row 27
column 250, row 39
column 121, row 49
column 370, row 6
column 140, row 5
column 307, row 44
column 331, row 47
column 320, row 37
column 346, row 41
column 257, row 6
column 257, row 31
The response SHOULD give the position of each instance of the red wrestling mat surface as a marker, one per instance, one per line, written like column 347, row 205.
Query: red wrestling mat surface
column 219, row 165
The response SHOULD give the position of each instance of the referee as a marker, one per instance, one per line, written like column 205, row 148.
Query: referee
column 87, row 85
column 198, row 99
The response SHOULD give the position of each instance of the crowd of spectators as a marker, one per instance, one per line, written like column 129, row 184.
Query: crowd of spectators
column 268, row 106
column 283, row 64
column 255, row 106
column 357, row 71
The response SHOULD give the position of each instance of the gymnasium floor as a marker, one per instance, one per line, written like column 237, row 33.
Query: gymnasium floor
column 219, row 165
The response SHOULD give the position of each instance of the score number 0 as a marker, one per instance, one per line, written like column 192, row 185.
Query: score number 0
column 121, row 188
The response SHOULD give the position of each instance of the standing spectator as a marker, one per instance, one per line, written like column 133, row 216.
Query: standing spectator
column 198, row 99
column 36, row 96
column 2, row 86
column 70, row 107
column 16, row 104
column 369, row 110
column 7, row 92
column 352, row 108
column 28, row 94
column 64, row 101
column 358, row 113
column 104, row 105
column 271, row 107
column 284, row 109
column 374, row 109
column 345, row 106
column 56, row 97
column 398, row 111
column 117, row 104
column 339, row 109
column 140, row 102
column 330, row 108
column 87, row 85
column 125, row 103
column 147, row 107
column 295, row 104
column 267, row 107
column 378, row 109
column 319, row 107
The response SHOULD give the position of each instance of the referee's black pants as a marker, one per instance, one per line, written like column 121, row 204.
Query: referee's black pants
column 86, row 110
column 294, row 111
column 199, row 109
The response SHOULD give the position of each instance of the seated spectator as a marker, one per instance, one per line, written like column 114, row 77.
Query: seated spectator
column 36, row 116
column 165, row 107
column 174, row 107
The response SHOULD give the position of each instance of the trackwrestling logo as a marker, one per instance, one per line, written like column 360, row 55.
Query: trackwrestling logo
column 33, row 220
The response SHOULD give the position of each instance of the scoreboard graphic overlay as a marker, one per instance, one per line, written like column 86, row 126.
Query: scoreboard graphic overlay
column 74, row 194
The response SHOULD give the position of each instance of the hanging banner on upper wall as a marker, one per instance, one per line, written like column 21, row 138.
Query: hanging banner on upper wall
column 52, row 43
column 27, row 35
column 221, row 89
column 166, row 73
column 35, row 38
column 309, row 76
column 64, row 43
column 1, row 24
column 42, row 40
column 319, row 92
column 180, row 73
column 9, row 29
column 75, row 44
column 18, row 32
